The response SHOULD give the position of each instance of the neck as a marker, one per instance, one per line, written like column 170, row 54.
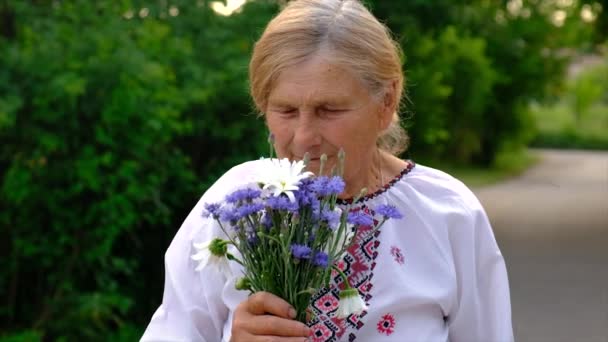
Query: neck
column 371, row 177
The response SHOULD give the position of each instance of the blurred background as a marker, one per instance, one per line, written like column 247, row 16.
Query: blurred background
column 116, row 115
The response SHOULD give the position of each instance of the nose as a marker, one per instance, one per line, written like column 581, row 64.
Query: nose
column 307, row 137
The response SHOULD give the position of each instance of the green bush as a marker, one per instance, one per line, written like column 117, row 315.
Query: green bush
column 451, row 81
column 111, row 129
column 580, row 118
column 472, row 68
column 588, row 88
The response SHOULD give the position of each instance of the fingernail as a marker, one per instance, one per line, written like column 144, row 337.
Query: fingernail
column 292, row 313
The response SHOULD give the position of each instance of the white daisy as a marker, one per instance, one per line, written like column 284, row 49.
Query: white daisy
column 350, row 303
column 212, row 253
column 282, row 176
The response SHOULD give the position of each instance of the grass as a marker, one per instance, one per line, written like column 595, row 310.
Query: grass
column 477, row 177
column 558, row 127
column 508, row 165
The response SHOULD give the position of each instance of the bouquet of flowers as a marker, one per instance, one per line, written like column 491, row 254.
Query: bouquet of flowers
column 288, row 230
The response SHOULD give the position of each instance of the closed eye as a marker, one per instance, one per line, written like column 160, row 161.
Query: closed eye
column 286, row 111
column 331, row 111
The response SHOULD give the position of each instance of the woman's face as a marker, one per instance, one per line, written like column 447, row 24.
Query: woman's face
column 319, row 108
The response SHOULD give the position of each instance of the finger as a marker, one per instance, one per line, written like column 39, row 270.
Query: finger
column 276, row 326
column 264, row 302
column 266, row 338
column 278, row 339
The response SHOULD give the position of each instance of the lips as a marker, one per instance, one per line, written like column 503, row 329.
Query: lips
column 310, row 158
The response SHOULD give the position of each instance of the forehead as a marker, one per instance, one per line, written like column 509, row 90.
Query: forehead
column 317, row 80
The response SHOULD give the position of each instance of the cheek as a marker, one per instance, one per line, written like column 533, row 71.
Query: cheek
column 354, row 135
column 281, row 132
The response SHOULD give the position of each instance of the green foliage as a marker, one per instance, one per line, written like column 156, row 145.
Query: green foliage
column 472, row 67
column 579, row 119
column 559, row 127
column 451, row 93
column 588, row 88
column 22, row 336
column 111, row 128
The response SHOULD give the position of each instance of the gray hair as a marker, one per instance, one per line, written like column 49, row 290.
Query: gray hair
column 355, row 39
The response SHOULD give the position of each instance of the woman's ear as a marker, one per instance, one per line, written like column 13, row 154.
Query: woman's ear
column 389, row 105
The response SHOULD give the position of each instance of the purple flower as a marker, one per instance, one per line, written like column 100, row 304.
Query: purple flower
column 229, row 214
column 212, row 209
column 320, row 259
column 305, row 196
column 335, row 185
column 331, row 217
column 388, row 211
column 360, row 218
column 318, row 185
column 281, row 203
column 325, row 186
column 248, row 209
column 267, row 221
column 301, row 251
column 243, row 195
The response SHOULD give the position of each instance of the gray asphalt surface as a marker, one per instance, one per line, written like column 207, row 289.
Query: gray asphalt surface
column 552, row 226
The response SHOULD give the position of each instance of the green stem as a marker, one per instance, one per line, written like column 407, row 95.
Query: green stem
column 348, row 287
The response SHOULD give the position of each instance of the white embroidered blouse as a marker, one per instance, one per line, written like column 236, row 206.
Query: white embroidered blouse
column 435, row 275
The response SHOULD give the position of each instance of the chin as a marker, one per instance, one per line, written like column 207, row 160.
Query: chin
column 313, row 166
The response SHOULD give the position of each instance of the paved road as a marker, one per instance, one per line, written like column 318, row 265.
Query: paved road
column 552, row 226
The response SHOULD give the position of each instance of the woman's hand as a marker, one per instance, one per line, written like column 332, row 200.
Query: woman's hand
column 266, row 317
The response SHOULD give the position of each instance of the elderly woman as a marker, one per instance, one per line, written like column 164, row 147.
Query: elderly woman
column 327, row 76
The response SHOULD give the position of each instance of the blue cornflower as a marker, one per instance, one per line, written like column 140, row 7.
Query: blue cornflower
column 305, row 184
column 249, row 209
column 360, row 218
column 335, row 185
column 267, row 221
column 315, row 206
column 212, row 209
column 305, row 197
column 331, row 217
column 301, row 251
column 243, row 195
column 281, row 203
column 321, row 259
column 229, row 214
column 316, row 213
column 388, row 211
column 318, row 185
column 325, row 186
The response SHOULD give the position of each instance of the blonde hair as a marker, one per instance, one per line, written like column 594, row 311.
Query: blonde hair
column 353, row 36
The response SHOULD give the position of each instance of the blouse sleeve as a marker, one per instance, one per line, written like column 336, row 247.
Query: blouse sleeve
column 190, row 311
column 196, row 305
column 483, row 306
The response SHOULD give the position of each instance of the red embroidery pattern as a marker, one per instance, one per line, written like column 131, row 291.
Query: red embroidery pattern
column 397, row 255
column 386, row 325
column 358, row 265
column 321, row 333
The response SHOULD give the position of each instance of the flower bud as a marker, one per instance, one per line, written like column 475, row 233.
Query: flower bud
column 243, row 284
column 218, row 247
